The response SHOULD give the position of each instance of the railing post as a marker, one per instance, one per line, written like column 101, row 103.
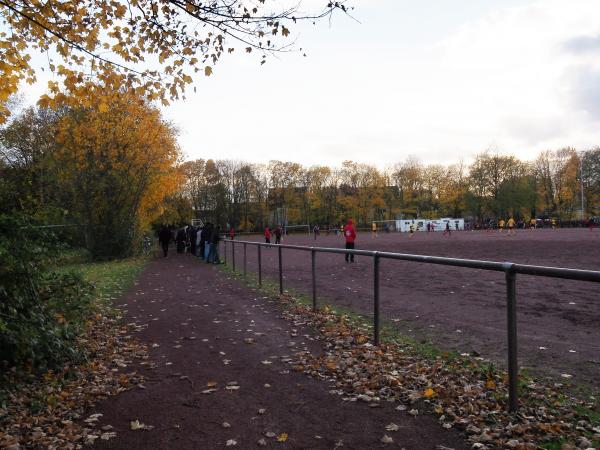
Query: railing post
column 233, row 255
column 511, row 316
column 376, row 298
column 313, row 255
column 244, row 260
column 280, row 271
column 259, row 266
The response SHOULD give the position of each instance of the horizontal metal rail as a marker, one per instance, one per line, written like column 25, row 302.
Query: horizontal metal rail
column 510, row 270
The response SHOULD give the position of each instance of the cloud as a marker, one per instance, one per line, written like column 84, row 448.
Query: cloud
column 583, row 44
column 584, row 90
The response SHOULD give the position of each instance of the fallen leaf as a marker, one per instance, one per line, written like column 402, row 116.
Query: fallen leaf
column 386, row 439
column 392, row 427
column 428, row 393
column 282, row 437
column 137, row 425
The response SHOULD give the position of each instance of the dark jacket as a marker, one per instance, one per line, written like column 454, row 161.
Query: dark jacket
column 164, row 235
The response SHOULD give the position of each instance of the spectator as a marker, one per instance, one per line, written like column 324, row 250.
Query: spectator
column 164, row 237
column 267, row 235
column 213, row 253
column 180, row 240
column 193, row 239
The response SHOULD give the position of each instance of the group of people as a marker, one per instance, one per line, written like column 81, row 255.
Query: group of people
column 199, row 241
column 348, row 231
column 277, row 232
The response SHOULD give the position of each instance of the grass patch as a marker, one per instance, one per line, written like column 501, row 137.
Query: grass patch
column 110, row 278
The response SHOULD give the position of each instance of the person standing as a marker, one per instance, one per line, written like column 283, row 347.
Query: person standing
column 278, row 235
column 231, row 233
column 213, row 252
column 180, row 240
column 267, row 235
column 193, row 240
column 350, row 236
column 316, row 231
column 511, row 226
column 447, row 230
column 373, row 230
column 164, row 237
column 204, row 234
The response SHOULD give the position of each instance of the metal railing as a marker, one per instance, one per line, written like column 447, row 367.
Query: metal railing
column 510, row 270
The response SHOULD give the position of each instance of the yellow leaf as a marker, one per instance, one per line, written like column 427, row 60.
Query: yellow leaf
column 103, row 107
column 490, row 384
column 282, row 437
column 428, row 393
column 208, row 71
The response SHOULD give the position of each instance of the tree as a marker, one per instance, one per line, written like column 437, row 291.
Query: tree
column 156, row 46
column 114, row 167
column 591, row 180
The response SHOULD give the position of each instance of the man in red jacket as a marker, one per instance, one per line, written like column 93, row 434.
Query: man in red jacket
column 350, row 235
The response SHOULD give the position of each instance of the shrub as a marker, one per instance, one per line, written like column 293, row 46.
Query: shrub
column 41, row 311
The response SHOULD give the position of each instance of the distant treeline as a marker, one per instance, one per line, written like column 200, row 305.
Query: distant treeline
column 250, row 196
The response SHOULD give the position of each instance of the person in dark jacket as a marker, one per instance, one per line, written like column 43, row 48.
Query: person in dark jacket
column 203, row 232
column 164, row 238
column 277, row 233
column 213, row 253
column 181, row 240
column 193, row 237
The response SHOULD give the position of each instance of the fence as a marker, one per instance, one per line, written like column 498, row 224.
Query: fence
column 510, row 270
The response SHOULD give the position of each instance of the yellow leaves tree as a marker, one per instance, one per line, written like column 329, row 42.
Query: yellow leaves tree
column 117, row 161
column 159, row 45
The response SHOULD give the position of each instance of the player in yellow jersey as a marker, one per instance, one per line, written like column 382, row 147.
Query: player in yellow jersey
column 501, row 225
column 532, row 223
column 373, row 230
column 511, row 226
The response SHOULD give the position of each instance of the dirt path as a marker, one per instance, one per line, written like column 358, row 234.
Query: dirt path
column 198, row 324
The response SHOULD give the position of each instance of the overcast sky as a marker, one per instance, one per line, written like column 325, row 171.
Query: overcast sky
column 438, row 79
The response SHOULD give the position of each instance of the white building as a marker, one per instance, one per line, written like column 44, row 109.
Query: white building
column 435, row 225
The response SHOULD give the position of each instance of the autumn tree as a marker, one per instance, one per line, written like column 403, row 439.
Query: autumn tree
column 590, row 168
column 115, row 165
column 557, row 173
column 157, row 45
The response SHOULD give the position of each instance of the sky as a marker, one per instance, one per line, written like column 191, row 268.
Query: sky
column 437, row 79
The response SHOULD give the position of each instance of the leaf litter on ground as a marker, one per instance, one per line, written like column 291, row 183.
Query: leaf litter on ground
column 464, row 392
column 48, row 411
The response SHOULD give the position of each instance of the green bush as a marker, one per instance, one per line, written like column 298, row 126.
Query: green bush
column 41, row 311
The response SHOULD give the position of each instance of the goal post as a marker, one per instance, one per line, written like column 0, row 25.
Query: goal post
column 384, row 225
column 302, row 228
